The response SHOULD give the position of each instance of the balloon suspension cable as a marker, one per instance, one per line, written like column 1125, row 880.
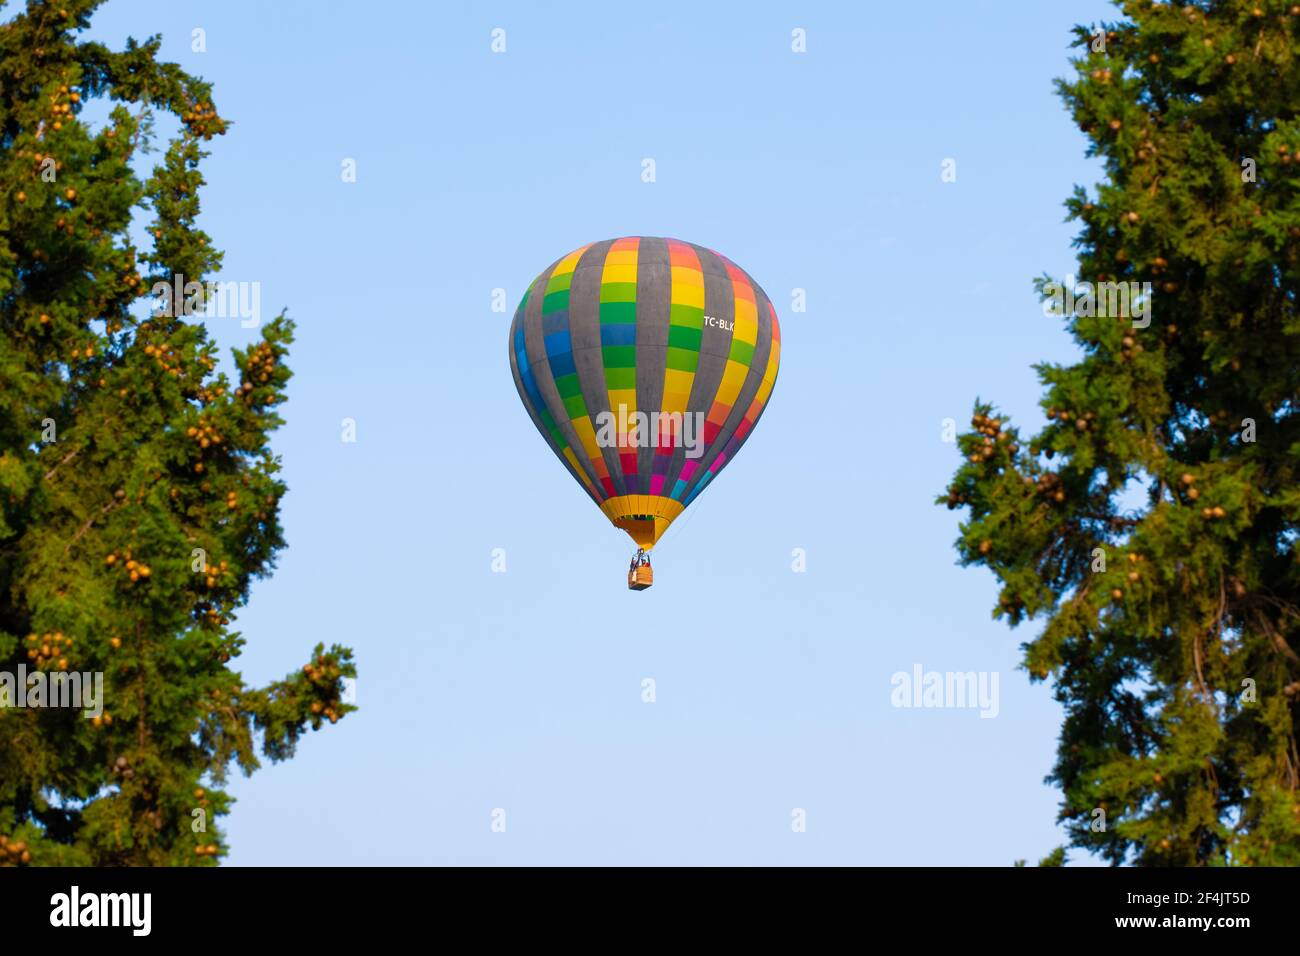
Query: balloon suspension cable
column 641, row 558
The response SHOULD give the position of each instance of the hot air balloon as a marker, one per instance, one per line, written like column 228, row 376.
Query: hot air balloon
column 645, row 363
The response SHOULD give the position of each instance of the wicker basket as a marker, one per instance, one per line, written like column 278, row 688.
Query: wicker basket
column 640, row 578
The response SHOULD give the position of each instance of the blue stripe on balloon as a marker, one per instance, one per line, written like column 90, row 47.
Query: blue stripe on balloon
column 623, row 333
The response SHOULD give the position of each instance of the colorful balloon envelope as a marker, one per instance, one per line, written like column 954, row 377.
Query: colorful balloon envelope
column 645, row 363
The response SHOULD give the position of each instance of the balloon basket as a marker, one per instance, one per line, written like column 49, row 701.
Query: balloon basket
column 640, row 575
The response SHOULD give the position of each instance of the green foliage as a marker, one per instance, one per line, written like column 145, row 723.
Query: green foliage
column 1172, row 450
column 1055, row 858
column 128, row 543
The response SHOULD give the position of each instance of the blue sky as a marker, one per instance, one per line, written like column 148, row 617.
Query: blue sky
column 523, row 691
